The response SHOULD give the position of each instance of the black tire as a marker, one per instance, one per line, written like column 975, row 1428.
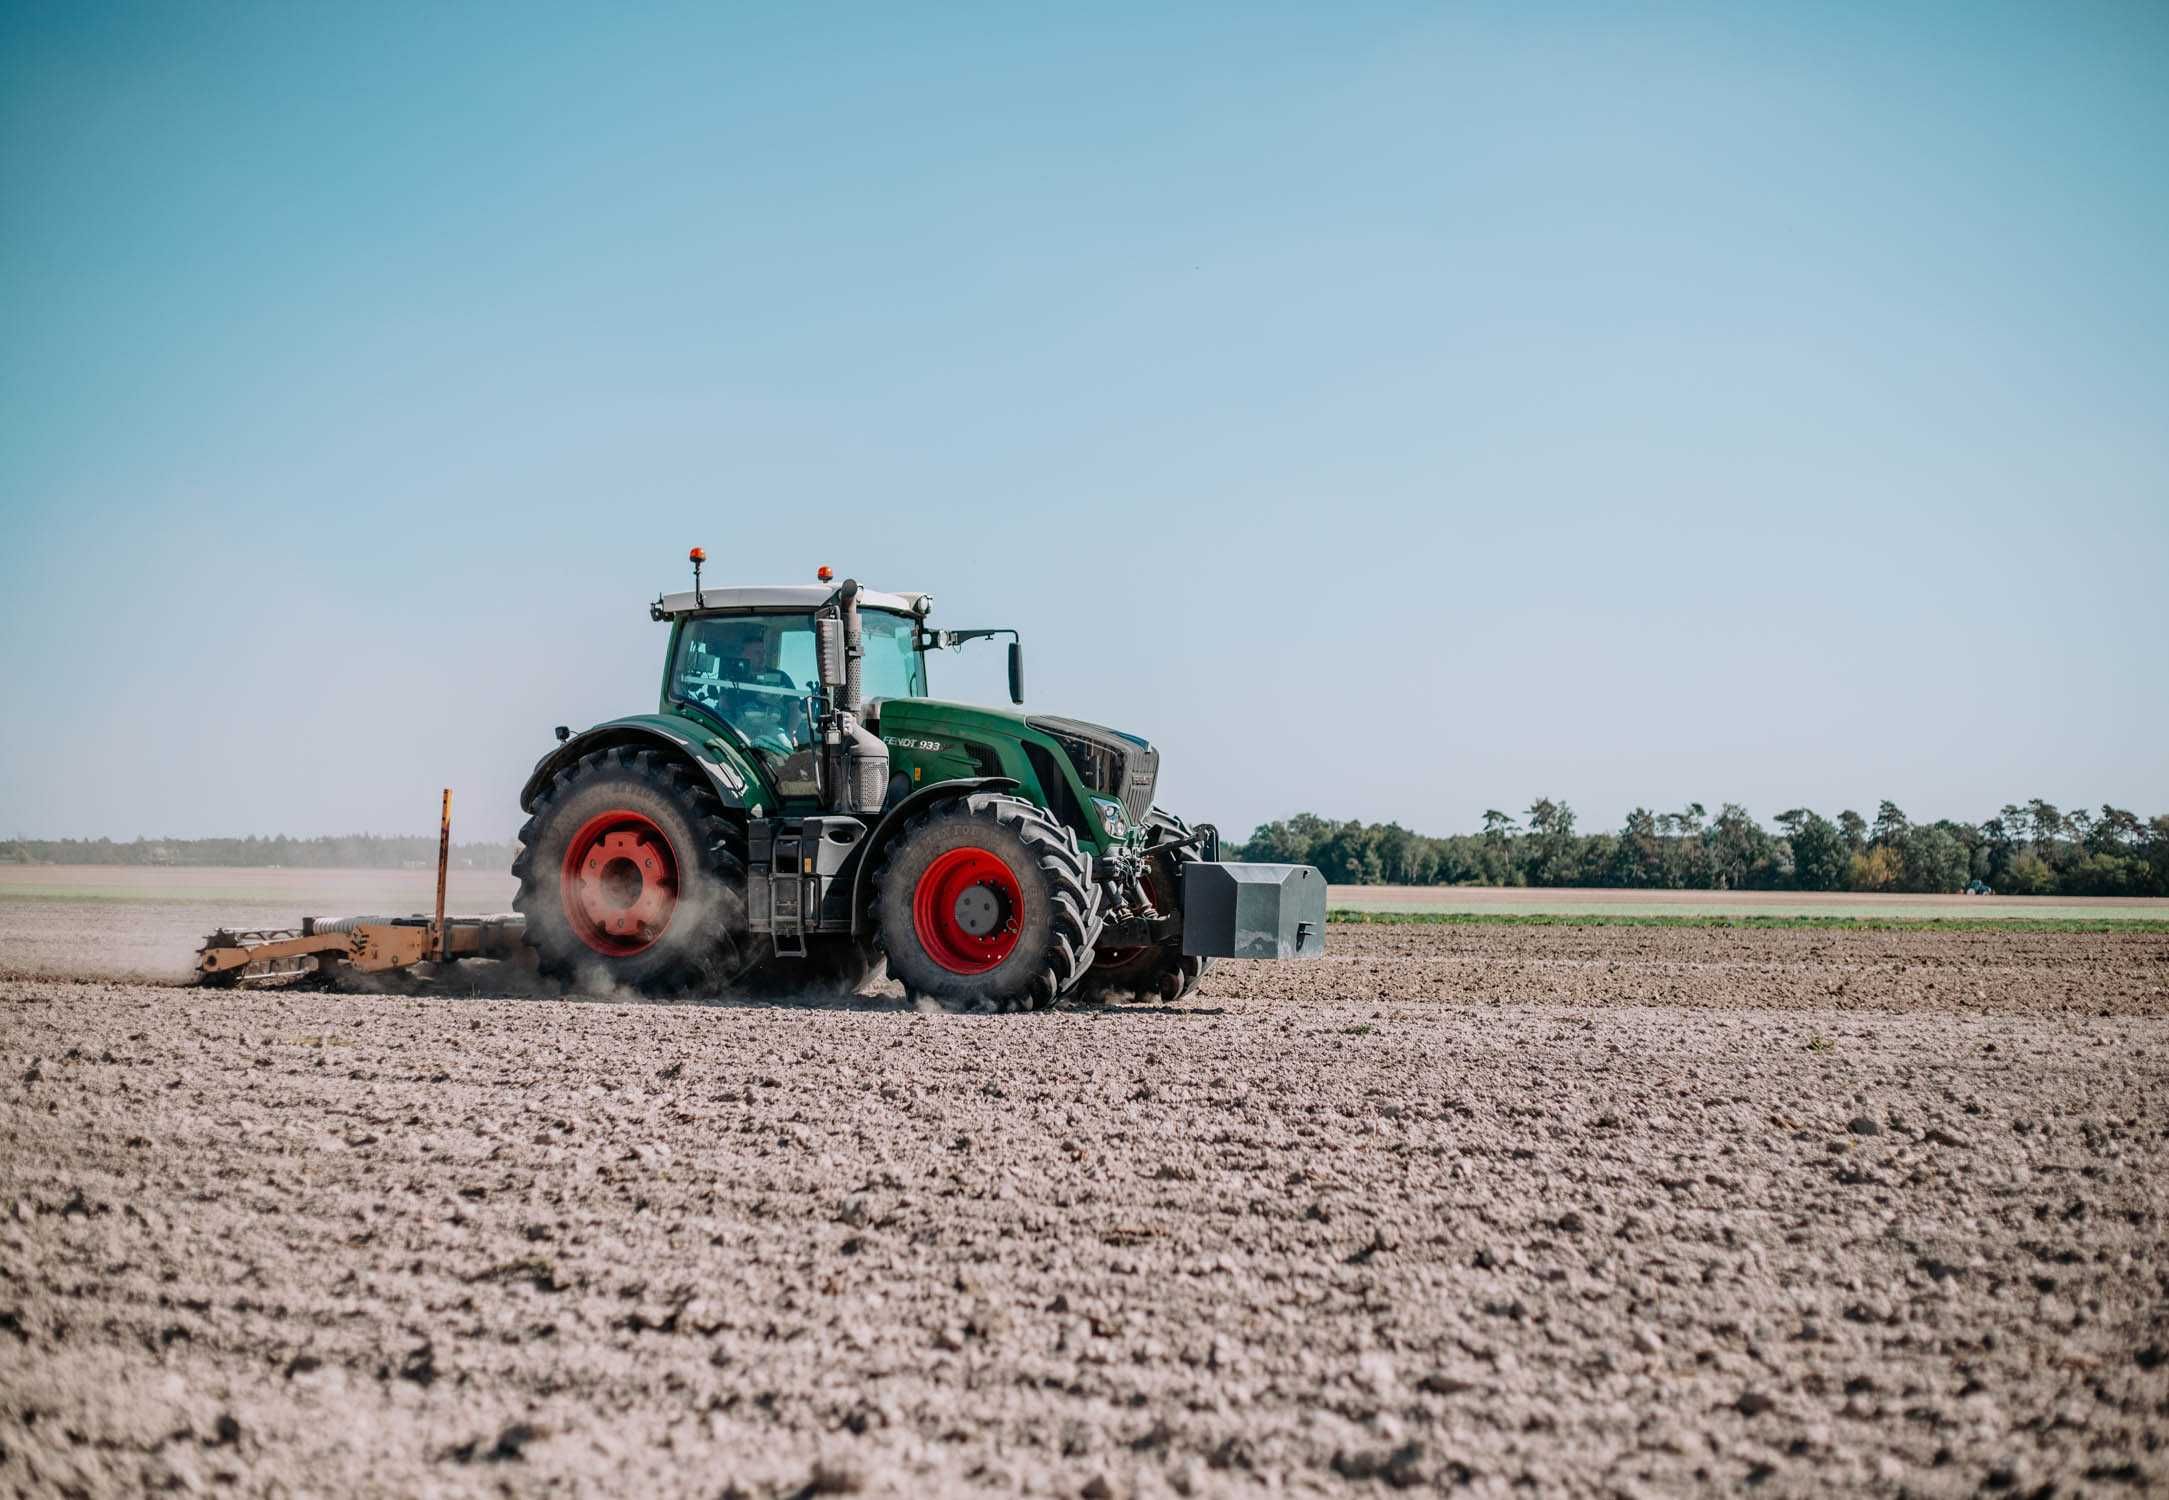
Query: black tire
column 1161, row 971
column 1050, row 930
column 699, row 944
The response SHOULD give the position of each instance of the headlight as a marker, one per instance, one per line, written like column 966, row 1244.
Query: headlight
column 1111, row 817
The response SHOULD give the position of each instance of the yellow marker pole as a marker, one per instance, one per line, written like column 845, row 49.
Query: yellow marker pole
column 444, row 859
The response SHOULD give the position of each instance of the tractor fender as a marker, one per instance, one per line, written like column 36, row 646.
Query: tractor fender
column 892, row 823
column 677, row 738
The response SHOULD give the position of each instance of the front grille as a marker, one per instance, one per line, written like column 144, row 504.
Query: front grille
column 1144, row 776
column 1098, row 763
column 1107, row 762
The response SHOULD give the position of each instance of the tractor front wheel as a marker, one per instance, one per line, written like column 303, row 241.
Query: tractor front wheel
column 629, row 877
column 986, row 900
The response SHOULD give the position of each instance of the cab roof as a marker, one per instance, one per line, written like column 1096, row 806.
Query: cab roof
column 779, row 598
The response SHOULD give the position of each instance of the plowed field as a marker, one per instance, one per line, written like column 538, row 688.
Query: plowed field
column 1597, row 1210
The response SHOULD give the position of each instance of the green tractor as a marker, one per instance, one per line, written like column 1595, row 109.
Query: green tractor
column 798, row 810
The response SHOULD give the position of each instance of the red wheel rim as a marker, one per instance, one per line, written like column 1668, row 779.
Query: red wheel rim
column 620, row 883
column 965, row 910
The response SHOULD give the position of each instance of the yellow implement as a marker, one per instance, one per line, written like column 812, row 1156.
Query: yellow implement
column 369, row 945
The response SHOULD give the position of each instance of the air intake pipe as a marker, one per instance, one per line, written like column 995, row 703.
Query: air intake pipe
column 853, row 649
column 854, row 758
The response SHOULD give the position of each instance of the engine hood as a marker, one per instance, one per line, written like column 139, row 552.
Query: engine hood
column 1109, row 762
column 932, row 713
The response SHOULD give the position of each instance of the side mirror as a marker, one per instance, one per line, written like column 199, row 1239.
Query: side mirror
column 1016, row 671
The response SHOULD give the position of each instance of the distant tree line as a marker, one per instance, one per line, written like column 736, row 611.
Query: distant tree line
column 353, row 851
column 2030, row 850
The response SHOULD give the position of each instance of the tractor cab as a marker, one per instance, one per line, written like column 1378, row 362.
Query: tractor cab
column 758, row 670
column 748, row 661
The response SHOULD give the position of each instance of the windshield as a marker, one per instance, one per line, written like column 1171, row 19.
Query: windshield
column 755, row 672
column 888, row 667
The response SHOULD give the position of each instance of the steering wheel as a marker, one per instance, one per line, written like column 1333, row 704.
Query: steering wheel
column 758, row 715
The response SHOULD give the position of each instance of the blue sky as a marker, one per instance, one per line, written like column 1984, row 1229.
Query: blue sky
column 1394, row 411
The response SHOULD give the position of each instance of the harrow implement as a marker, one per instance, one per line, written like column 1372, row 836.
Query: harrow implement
column 367, row 945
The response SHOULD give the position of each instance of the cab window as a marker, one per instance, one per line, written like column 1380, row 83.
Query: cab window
column 753, row 673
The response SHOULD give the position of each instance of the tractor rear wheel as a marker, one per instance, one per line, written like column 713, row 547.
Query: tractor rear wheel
column 1157, row 971
column 986, row 900
column 630, row 876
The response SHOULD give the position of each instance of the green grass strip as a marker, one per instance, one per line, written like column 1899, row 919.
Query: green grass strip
column 1772, row 921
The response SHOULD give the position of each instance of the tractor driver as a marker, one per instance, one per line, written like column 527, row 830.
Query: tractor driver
column 764, row 718
column 751, row 663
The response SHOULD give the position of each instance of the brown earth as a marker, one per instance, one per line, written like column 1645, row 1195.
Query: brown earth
column 1603, row 1211
column 146, row 922
column 2110, row 974
column 1570, row 900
